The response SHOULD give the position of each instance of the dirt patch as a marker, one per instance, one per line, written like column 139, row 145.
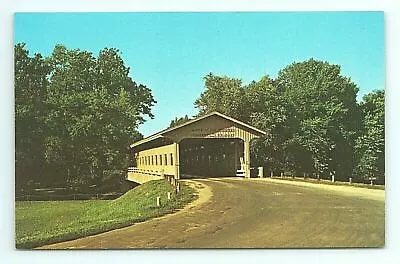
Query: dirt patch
column 204, row 193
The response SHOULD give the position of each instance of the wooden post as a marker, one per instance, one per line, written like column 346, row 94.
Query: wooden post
column 158, row 201
column 272, row 174
column 350, row 180
column 261, row 172
column 247, row 158
column 176, row 161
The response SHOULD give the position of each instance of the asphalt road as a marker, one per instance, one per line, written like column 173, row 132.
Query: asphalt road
column 256, row 214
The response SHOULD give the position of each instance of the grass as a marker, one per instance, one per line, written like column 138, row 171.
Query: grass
column 46, row 222
column 360, row 185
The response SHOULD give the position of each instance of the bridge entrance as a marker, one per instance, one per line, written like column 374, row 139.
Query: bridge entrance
column 211, row 145
column 210, row 157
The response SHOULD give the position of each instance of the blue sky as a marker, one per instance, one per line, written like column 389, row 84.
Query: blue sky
column 172, row 52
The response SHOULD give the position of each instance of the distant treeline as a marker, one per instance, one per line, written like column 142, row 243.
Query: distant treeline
column 314, row 124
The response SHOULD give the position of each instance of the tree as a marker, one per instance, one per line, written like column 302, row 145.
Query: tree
column 323, row 118
column 30, row 107
column 268, row 112
column 93, row 109
column 370, row 145
column 179, row 121
column 225, row 95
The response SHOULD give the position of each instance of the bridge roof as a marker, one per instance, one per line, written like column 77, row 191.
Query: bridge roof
column 171, row 130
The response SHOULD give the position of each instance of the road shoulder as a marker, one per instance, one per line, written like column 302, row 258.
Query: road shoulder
column 364, row 193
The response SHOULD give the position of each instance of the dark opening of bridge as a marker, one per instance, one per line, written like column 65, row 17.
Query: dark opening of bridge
column 210, row 157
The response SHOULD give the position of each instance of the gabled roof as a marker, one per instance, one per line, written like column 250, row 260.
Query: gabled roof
column 162, row 132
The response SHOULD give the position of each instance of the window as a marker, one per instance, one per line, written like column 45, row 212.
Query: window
column 165, row 159
column 172, row 159
column 156, row 159
column 160, row 159
column 152, row 160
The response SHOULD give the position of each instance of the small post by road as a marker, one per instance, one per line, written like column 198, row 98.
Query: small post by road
column 158, row 201
column 261, row 172
column 178, row 187
column 272, row 174
column 333, row 178
column 169, row 195
column 281, row 174
column 372, row 182
column 304, row 175
column 350, row 180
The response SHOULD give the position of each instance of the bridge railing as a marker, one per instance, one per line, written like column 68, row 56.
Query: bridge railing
column 154, row 174
column 147, row 172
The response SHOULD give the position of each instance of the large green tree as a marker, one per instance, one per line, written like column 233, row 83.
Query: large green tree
column 269, row 113
column 370, row 145
column 30, row 108
column 323, row 118
column 93, row 109
column 225, row 95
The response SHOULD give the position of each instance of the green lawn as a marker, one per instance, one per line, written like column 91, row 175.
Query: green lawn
column 40, row 223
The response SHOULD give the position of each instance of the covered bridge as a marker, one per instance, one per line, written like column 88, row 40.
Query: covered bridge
column 211, row 145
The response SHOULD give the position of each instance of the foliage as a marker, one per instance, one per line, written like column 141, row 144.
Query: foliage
column 268, row 112
column 89, row 109
column 40, row 223
column 324, row 118
column 30, row 108
column 225, row 95
column 179, row 121
column 370, row 145
column 311, row 117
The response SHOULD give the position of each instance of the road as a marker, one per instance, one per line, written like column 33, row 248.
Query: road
column 239, row 213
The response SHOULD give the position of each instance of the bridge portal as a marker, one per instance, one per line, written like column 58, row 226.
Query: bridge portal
column 208, row 146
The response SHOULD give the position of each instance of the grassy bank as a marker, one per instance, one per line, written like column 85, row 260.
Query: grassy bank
column 40, row 223
column 360, row 185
